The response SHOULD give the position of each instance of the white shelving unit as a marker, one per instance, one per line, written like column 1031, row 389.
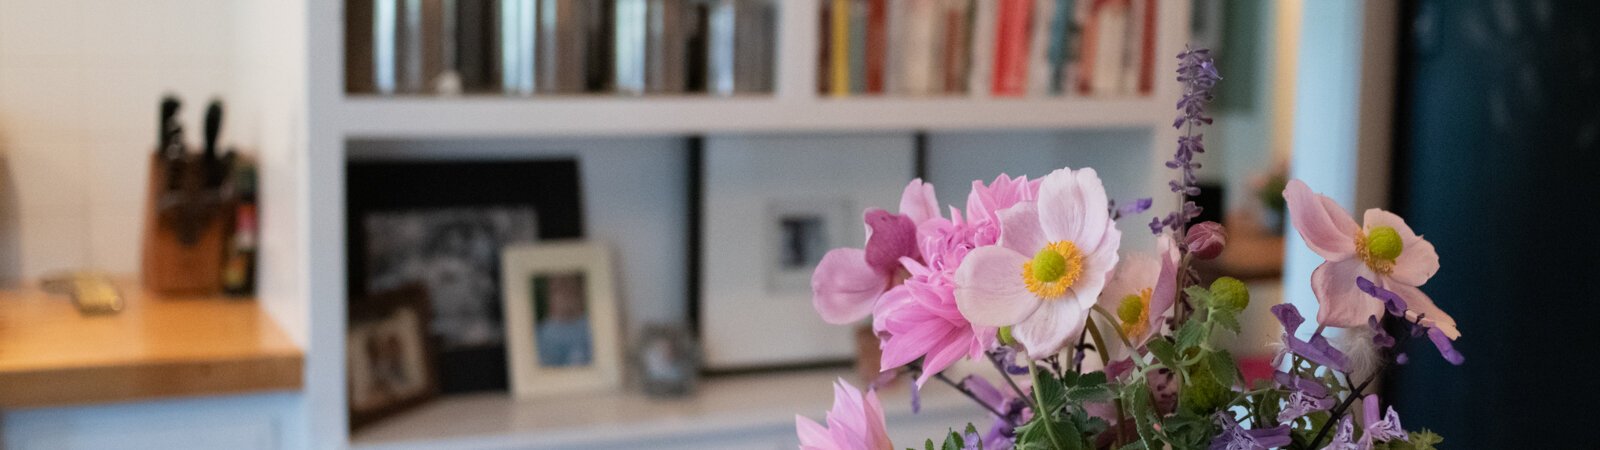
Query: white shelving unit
column 303, row 162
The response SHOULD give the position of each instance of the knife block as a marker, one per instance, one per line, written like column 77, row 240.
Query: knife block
column 184, row 234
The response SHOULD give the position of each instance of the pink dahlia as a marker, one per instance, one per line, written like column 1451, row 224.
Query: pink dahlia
column 1383, row 249
column 1050, row 265
column 919, row 319
column 855, row 423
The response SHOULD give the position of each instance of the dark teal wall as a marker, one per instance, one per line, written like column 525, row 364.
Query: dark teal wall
column 1497, row 164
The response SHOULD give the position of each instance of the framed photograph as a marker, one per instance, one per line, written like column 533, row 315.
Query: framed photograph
column 666, row 361
column 443, row 224
column 562, row 320
column 769, row 207
column 390, row 367
column 799, row 231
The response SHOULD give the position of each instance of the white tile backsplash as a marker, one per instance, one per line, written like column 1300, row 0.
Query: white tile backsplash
column 79, row 86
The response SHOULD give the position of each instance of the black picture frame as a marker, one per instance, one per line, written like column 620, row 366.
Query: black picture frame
column 550, row 186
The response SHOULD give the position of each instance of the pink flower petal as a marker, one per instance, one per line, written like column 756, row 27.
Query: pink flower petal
column 877, row 428
column 1072, row 207
column 812, row 435
column 889, row 237
column 918, row 202
column 1049, row 328
column 1019, row 228
column 1418, row 261
column 990, row 290
column 888, row 305
column 947, row 351
column 1165, row 292
column 1340, row 303
column 844, row 287
column 1327, row 229
column 905, row 347
column 1421, row 303
column 1134, row 272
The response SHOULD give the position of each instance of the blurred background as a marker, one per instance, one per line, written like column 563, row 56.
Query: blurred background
column 592, row 223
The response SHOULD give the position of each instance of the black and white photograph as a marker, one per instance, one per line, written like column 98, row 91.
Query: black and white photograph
column 801, row 230
column 561, row 320
column 455, row 252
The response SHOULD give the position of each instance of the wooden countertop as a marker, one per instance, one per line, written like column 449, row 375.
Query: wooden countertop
column 50, row 355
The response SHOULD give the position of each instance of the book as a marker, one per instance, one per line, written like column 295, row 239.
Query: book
column 1063, row 30
column 839, row 49
column 1011, row 50
column 858, row 47
column 1039, row 61
column 980, row 77
column 957, row 45
column 918, row 62
column 877, row 45
column 1147, row 47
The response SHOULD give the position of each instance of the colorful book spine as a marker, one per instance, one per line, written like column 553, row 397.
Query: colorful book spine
column 980, row 81
column 858, row 47
column 1062, row 37
column 877, row 51
column 1011, row 50
column 839, row 49
column 920, row 64
column 1044, row 12
column 1147, row 47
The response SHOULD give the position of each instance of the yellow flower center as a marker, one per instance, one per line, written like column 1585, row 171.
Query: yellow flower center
column 1379, row 248
column 1135, row 313
column 1054, row 269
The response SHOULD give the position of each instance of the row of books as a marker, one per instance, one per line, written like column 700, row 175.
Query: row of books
column 1005, row 48
column 535, row 47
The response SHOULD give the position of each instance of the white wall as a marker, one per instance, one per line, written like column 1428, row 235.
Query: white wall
column 79, row 86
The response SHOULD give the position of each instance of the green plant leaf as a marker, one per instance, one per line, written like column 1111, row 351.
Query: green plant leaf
column 1223, row 369
column 1201, row 296
column 1226, row 319
column 1191, row 334
column 1165, row 353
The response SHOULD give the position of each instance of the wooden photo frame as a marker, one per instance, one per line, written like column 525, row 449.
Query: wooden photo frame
column 389, row 361
column 563, row 323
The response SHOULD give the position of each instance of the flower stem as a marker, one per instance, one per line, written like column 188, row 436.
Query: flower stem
column 1039, row 411
column 1100, row 344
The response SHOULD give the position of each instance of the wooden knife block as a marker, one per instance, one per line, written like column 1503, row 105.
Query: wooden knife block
column 171, row 266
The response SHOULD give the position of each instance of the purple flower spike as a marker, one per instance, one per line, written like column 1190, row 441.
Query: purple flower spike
column 1392, row 302
column 1381, row 429
column 1380, row 337
column 1235, row 437
column 1446, row 349
column 1289, row 316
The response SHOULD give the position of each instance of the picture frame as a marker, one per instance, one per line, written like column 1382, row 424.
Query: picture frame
column 443, row 222
column 666, row 361
column 388, row 355
column 752, row 268
column 563, row 320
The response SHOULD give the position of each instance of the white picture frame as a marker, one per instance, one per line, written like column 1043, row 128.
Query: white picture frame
column 548, row 272
column 750, row 315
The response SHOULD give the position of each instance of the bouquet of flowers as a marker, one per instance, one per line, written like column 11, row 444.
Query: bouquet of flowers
column 1097, row 349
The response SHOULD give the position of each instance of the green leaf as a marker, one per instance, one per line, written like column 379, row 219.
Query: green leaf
column 953, row 441
column 1225, row 318
column 1199, row 296
column 1165, row 353
column 1185, row 430
column 1191, row 334
column 930, row 444
column 1137, row 395
column 1223, row 369
column 1052, row 391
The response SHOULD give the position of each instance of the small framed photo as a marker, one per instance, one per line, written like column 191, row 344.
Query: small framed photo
column 390, row 364
column 798, row 232
column 666, row 361
column 562, row 322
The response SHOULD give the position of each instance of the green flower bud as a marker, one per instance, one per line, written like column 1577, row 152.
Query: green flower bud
column 1203, row 395
column 1229, row 293
column 1005, row 336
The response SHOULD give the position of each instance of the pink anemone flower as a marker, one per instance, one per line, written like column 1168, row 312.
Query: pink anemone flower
column 855, row 423
column 1383, row 249
column 848, row 281
column 1142, row 290
column 1050, row 265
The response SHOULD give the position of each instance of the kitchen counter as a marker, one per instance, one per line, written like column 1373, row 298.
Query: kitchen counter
column 157, row 347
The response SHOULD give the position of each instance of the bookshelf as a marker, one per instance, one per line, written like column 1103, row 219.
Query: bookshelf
column 309, row 124
column 498, row 117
